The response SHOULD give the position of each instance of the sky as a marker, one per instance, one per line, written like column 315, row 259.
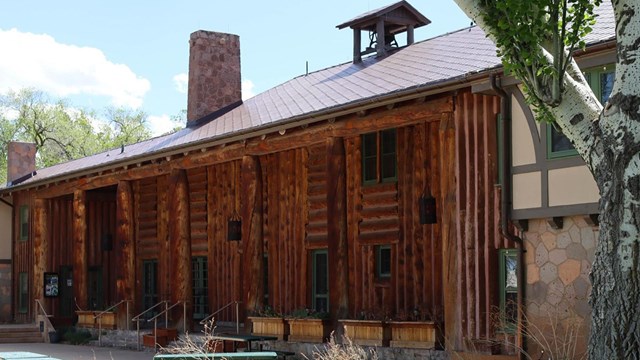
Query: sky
column 135, row 53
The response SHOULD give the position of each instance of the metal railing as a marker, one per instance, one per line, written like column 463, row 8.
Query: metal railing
column 138, row 318
column 46, row 324
column 40, row 308
column 99, row 318
column 166, row 312
column 237, row 304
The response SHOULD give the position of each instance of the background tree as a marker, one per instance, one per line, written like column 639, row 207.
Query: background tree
column 61, row 132
column 535, row 39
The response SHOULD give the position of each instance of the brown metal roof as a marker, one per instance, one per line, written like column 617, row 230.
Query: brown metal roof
column 367, row 19
column 423, row 66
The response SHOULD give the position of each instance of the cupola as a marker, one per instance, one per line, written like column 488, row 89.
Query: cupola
column 382, row 26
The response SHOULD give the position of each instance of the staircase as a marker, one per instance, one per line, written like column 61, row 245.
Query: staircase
column 25, row 333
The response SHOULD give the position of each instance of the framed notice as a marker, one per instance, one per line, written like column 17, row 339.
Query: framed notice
column 51, row 284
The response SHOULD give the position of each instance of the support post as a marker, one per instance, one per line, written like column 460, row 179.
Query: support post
column 180, row 245
column 337, row 230
column 126, row 249
column 40, row 248
column 357, row 57
column 381, row 49
column 80, row 268
column 252, row 233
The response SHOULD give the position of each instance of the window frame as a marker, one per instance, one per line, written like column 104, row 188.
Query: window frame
column 23, row 292
column 314, row 278
column 200, row 279
column 23, row 234
column 593, row 77
column 508, row 325
column 380, row 275
column 381, row 153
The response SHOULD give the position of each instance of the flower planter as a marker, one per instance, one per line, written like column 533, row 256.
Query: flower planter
column 108, row 320
column 86, row 318
column 414, row 334
column 170, row 333
column 367, row 332
column 309, row 330
column 269, row 326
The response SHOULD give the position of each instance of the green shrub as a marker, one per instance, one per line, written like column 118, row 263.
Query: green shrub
column 77, row 337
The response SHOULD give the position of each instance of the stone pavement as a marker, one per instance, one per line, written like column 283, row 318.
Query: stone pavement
column 79, row 352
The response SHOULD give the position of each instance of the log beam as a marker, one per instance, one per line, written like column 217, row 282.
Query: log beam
column 337, row 230
column 252, row 233
column 126, row 249
column 80, row 267
column 40, row 248
column 180, row 245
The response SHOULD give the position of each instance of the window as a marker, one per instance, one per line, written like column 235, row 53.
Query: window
column 149, row 285
column 383, row 261
column 320, row 281
column 379, row 159
column 23, row 293
column 601, row 81
column 508, row 262
column 200, row 287
column 24, row 223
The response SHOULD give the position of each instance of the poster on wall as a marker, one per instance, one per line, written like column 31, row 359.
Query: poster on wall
column 51, row 288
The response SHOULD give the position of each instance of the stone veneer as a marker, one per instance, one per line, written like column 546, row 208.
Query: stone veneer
column 558, row 263
column 21, row 160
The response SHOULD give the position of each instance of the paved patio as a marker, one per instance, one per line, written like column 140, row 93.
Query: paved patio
column 79, row 352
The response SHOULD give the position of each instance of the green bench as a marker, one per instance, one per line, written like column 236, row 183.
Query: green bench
column 259, row 355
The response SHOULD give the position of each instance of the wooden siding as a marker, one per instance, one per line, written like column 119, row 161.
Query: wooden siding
column 198, row 207
column 317, row 196
column 285, row 190
column 472, row 217
column 223, row 199
column 146, row 215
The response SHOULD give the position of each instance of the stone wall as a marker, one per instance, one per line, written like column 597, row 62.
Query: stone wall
column 558, row 262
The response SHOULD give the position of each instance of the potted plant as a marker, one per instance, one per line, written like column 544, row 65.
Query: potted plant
column 307, row 325
column 369, row 329
column 268, row 322
column 415, row 329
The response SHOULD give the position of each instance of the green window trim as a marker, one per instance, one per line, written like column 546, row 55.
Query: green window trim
column 600, row 79
column 320, row 280
column 24, row 223
column 508, row 285
column 500, row 138
column 383, row 261
column 23, row 293
column 380, row 157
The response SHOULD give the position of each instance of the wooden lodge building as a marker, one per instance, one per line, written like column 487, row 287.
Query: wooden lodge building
column 377, row 188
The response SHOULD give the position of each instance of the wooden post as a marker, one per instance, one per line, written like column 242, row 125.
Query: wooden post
column 40, row 248
column 337, row 230
column 180, row 245
column 357, row 57
column 80, row 248
column 410, row 35
column 125, row 244
column 380, row 46
column 252, row 233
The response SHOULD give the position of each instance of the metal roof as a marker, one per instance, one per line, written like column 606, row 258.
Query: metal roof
column 425, row 65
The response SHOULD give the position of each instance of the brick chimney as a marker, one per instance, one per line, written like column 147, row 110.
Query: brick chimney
column 21, row 160
column 214, row 73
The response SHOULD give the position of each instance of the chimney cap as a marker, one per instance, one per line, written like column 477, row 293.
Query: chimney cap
column 397, row 17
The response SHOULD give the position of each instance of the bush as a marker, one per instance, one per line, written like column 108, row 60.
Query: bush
column 77, row 337
column 345, row 351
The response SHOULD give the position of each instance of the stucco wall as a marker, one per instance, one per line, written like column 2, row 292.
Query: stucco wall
column 557, row 269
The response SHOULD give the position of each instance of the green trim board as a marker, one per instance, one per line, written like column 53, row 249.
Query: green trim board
column 24, row 223
column 508, row 285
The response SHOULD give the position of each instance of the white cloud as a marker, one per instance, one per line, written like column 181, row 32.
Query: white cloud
column 181, row 81
column 247, row 89
column 37, row 60
column 161, row 124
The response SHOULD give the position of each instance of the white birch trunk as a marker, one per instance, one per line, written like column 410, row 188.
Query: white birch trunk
column 609, row 142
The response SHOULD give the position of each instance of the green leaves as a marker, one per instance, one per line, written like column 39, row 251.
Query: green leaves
column 536, row 39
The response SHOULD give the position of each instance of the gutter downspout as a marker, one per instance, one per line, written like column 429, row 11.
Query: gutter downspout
column 505, row 205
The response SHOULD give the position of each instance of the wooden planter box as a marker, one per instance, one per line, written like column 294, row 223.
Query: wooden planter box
column 269, row 326
column 170, row 333
column 309, row 330
column 109, row 320
column 85, row 318
column 367, row 332
column 414, row 334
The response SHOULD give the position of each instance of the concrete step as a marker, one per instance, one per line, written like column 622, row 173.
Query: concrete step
column 12, row 334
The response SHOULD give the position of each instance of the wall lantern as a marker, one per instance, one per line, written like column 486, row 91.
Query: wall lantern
column 106, row 242
column 234, row 228
column 428, row 209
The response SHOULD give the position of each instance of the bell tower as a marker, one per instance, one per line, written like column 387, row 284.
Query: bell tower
column 382, row 26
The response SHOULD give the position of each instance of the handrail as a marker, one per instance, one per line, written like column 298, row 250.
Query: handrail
column 99, row 317
column 236, row 302
column 165, row 310
column 44, row 312
column 166, row 319
column 137, row 317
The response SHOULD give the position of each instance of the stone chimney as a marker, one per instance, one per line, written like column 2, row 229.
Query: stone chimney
column 21, row 160
column 214, row 73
